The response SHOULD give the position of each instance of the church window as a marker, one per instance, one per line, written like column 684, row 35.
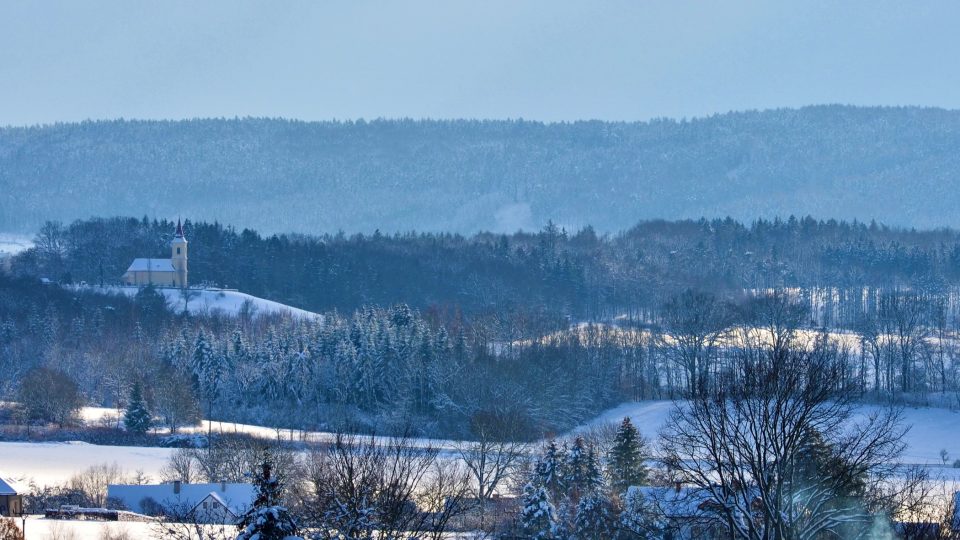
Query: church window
column 178, row 251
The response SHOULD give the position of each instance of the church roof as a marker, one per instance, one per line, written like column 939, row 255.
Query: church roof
column 151, row 265
column 178, row 237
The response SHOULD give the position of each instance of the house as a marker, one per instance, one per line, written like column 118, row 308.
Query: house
column 214, row 509
column 497, row 511
column 170, row 272
column 11, row 500
column 203, row 503
column 676, row 512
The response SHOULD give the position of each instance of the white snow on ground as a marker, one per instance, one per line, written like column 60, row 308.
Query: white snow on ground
column 48, row 463
column 14, row 243
column 39, row 528
column 932, row 430
column 109, row 417
column 210, row 300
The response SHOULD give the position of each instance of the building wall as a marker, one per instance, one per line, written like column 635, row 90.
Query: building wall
column 211, row 511
column 178, row 257
column 161, row 279
column 10, row 505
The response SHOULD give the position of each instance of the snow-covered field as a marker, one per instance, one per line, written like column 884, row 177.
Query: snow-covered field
column 225, row 301
column 109, row 417
column 48, row 463
column 932, row 429
column 39, row 528
column 14, row 243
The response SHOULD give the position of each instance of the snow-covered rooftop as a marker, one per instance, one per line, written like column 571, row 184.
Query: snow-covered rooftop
column 151, row 265
column 7, row 487
column 236, row 497
column 684, row 502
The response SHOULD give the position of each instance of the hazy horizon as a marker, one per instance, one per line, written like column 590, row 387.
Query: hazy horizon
column 542, row 61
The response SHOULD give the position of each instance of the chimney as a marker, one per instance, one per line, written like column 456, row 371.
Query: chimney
column 223, row 486
column 176, row 487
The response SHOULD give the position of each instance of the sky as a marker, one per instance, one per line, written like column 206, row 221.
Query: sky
column 550, row 60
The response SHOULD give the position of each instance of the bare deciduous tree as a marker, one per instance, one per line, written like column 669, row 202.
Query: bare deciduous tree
column 93, row 482
column 777, row 452
column 368, row 488
column 494, row 457
column 694, row 324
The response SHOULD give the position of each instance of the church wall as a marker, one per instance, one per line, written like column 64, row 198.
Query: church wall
column 161, row 279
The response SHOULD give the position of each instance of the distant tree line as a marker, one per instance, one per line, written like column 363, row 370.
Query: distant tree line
column 839, row 269
column 898, row 164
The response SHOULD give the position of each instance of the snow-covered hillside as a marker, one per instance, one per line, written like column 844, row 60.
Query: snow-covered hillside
column 11, row 244
column 227, row 301
column 932, row 429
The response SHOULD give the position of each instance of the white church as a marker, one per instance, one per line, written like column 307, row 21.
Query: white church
column 170, row 272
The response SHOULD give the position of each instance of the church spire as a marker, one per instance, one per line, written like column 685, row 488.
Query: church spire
column 179, row 229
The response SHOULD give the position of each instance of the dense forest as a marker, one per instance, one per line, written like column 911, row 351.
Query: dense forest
column 839, row 267
column 431, row 333
column 898, row 164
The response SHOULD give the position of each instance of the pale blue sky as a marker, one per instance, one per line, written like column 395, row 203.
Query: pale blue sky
column 545, row 60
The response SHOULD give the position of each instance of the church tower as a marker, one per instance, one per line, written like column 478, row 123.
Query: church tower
column 178, row 256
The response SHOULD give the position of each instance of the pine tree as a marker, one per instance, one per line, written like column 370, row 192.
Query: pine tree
column 137, row 418
column 593, row 478
column 549, row 470
column 576, row 470
column 267, row 519
column 593, row 520
column 538, row 518
column 625, row 462
column 208, row 371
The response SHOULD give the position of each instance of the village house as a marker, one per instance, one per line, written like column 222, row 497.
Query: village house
column 170, row 272
column 201, row 503
column 11, row 501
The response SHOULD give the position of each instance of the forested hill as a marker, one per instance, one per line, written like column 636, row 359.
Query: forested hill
column 900, row 166
column 554, row 272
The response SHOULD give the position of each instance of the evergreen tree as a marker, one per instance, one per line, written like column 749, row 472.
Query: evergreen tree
column 207, row 370
column 594, row 519
column 267, row 519
column 538, row 518
column 576, row 470
column 593, row 478
column 549, row 470
column 137, row 418
column 625, row 461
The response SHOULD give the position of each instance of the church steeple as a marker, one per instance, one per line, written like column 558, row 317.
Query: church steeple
column 178, row 256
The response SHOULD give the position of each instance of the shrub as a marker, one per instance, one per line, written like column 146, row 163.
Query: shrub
column 9, row 530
